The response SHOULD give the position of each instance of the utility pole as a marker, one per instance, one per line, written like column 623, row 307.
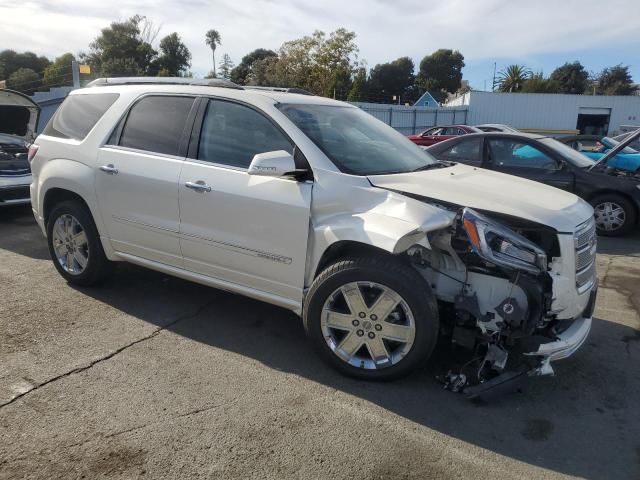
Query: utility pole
column 493, row 85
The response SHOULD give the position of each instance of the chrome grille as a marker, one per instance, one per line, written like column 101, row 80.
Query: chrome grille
column 585, row 242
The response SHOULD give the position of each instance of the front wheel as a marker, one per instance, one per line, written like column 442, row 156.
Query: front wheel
column 372, row 318
column 614, row 215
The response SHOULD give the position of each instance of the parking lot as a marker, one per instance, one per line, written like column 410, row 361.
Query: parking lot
column 154, row 376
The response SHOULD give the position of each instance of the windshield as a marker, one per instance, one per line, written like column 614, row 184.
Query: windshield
column 610, row 143
column 355, row 141
column 569, row 154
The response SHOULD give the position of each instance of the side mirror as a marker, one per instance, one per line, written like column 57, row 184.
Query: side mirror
column 274, row 164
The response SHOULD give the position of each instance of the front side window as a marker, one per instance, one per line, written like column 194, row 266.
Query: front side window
column 505, row 152
column 466, row 151
column 356, row 142
column 232, row 134
column 78, row 114
column 156, row 124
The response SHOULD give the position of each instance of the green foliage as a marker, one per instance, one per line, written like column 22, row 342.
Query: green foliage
column 393, row 78
column 359, row 87
column 440, row 72
column 316, row 63
column 175, row 57
column 24, row 80
column 11, row 61
column 121, row 49
column 570, row 78
column 226, row 66
column 512, row 78
column 537, row 83
column 615, row 81
column 58, row 74
column 243, row 73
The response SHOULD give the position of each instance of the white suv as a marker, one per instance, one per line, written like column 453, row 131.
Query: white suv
column 315, row 206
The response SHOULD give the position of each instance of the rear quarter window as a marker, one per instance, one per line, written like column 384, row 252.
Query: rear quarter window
column 78, row 114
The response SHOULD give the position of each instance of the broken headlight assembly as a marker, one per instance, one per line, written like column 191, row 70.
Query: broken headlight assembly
column 500, row 245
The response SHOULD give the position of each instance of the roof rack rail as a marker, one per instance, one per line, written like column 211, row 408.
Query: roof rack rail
column 207, row 82
column 301, row 91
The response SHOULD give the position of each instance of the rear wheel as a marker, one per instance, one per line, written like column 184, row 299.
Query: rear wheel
column 371, row 318
column 614, row 214
column 74, row 244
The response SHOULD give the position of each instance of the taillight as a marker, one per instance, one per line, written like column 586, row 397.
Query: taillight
column 33, row 149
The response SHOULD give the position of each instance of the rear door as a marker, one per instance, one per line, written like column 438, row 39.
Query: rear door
column 245, row 230
column 137, row 178
column 523, row 158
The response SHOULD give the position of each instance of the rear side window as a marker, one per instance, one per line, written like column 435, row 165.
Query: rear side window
column 156, row 124
column 78, row 114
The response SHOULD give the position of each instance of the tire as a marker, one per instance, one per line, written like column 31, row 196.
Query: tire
column 608, row 223
column 66, row 242
column 374, row 278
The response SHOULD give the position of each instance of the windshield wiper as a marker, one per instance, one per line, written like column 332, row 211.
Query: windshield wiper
column 430, row 166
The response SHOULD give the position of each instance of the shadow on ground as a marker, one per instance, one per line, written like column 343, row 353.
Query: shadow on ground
column 583, row 422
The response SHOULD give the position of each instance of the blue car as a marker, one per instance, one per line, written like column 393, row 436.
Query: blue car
column 628, row 159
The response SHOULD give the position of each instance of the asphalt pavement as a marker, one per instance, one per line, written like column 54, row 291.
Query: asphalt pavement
column 150, row 376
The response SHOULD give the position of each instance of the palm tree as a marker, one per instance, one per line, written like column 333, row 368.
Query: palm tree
column 512, row 78
column 213, row 40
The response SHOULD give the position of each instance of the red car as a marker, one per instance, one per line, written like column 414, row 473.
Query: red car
column 438, row 134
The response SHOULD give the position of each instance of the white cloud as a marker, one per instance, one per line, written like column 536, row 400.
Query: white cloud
column 386, row 30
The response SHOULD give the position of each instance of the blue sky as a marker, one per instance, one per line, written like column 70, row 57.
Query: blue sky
column 541, row 34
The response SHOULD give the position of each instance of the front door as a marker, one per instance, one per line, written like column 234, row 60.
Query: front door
column 137, row 179
column 517, row 157
column 246, row 230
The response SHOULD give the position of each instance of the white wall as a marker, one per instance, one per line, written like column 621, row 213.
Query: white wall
column 545, row 110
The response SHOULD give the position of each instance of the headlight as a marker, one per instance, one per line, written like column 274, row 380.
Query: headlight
column 501, row 245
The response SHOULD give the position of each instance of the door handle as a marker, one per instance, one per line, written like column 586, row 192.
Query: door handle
column 198, row 186
column 110, row 169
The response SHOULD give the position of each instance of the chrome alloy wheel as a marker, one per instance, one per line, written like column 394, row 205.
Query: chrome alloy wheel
column 609, row 216
column 70, row 244
column 368, row 325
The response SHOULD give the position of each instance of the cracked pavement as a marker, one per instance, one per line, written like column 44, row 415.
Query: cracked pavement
column 153, row 377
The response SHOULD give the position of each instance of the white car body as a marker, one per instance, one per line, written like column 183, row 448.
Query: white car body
column 267, row 237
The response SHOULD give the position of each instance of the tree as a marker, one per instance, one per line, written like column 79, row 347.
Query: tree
column 244, row 74
column 615, row 81
column 11, row 61
column 359, row 86
column 24, row 80
column 570, row 78
column 537, row 83
column 316, row 63
column 441, row 72
column 59, row 73
column 393, row 78
column 226, row 65
column 120, row 49
column 512, row 78
column 213, row 39
column 175, row 57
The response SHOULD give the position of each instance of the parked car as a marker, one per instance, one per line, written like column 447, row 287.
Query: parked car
column 438, row 134
column 581, row 143
column 614, row 194
column 496, row 127
column 18, row 120
column 635, row 144
column 628, row 159
column 316, row 206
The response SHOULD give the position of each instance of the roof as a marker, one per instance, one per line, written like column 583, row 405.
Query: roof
column 426, row 97
column 208, row 89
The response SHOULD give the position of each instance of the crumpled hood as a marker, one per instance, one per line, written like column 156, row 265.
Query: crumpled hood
column 492, row 191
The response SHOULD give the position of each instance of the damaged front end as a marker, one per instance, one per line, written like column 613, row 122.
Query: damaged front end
column 500, row 282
